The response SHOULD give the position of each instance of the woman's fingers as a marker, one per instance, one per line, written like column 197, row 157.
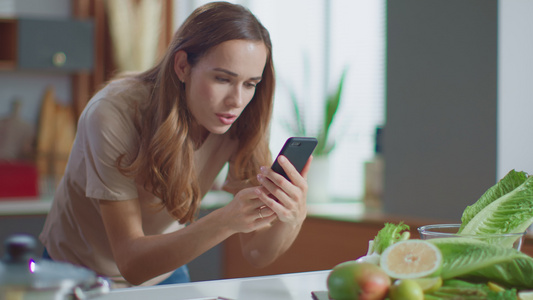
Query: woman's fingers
column 281, row 189
column 244, row 213
column 285, row 198
column 289, row 169
column 307, row 166
column 265, row 211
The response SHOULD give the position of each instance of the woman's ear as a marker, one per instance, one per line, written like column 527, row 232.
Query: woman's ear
column 181, row 65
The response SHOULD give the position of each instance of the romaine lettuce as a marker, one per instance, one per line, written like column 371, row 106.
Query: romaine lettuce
column 475, row 260
column 508, row 183
column 510, row 213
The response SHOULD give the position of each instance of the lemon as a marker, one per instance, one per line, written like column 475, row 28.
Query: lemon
column 411, row 259
column 429, row 284
column 495, row 287
column 406, row 289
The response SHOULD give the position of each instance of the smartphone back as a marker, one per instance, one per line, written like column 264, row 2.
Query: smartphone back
column 297, row 150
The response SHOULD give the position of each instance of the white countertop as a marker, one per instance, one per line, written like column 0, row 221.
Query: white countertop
column 41, row 206
column 25, row 206
column 296, row 286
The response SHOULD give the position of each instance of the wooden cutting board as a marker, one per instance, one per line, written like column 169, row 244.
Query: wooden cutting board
column 16, row 136
column 64, row 137
column 56, row 132
column 45, row 132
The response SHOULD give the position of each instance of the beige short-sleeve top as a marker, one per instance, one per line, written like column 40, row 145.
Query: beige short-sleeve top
column 74, row 231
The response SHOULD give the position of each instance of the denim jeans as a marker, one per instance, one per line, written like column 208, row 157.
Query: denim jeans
column 181, row 275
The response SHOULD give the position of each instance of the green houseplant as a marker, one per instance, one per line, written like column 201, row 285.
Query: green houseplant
column 318, row 176
column 331, row 104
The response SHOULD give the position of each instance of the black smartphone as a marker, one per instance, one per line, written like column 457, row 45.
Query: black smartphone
column 297, row 150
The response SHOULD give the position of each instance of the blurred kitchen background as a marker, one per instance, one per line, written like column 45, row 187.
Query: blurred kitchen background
column 434, row 107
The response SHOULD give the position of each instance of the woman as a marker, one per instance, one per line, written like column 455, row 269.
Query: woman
column 149, row 147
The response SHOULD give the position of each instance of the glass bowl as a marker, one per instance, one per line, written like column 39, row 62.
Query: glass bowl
column 450, row 230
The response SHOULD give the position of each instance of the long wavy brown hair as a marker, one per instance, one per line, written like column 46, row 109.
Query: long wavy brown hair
column 164, row 161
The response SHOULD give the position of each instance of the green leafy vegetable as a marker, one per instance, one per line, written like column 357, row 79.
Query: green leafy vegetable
column 508, row 183
column 511, row 213
column 459, row 289
column 476, row 260
column 390, row 234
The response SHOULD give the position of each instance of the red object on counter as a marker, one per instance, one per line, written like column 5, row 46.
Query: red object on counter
column 18, row 180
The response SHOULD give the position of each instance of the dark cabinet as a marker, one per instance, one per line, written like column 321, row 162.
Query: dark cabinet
column 46, row 44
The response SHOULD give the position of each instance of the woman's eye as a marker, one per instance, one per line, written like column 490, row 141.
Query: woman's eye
column 250, row 84
column 221, row 79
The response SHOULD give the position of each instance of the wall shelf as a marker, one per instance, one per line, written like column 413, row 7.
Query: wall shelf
column 64, row 45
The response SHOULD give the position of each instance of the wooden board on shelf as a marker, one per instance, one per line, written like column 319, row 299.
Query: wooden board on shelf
column 46, row 132
column 57, row 130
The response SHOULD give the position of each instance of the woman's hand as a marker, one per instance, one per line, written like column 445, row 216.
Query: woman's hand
column 246, row 213
column 284, row 210
column 287, row 199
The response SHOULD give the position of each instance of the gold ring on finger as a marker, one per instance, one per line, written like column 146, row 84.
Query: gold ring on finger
column 260, row 214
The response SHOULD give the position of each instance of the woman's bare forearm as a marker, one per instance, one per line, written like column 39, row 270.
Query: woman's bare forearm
column 264, row 246
column 146, row 257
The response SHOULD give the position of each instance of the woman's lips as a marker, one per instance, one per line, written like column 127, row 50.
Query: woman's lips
column 226, row 119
